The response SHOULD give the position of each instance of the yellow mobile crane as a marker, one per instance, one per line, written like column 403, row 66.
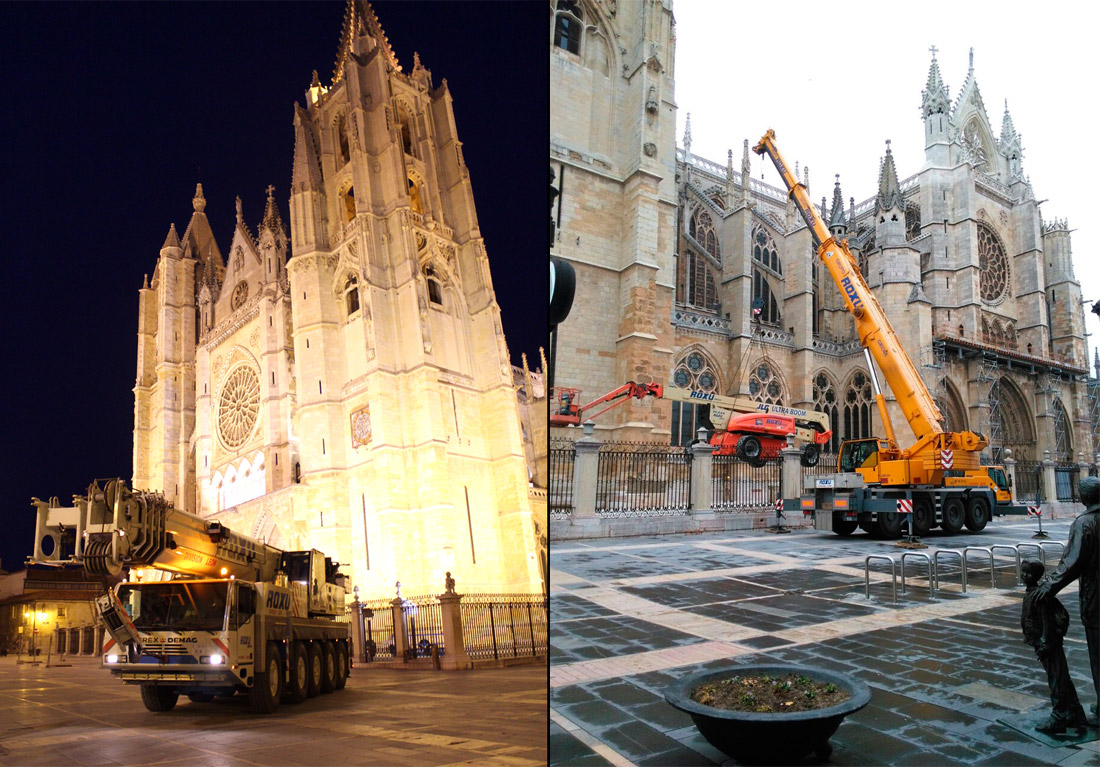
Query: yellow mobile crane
column 225, row 614
column 938, row 477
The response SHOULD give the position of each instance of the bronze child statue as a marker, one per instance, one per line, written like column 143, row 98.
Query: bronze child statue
column 1045, row 622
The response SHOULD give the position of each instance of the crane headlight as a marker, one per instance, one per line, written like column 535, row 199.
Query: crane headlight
column 112, row 658
column 213, row 660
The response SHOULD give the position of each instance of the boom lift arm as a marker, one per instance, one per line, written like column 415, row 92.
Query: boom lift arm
column 917, row 463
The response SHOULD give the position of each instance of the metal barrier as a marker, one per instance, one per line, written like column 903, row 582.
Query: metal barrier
column 1015, row 555
column 931, row 571
column 378, row 631
column 1037, row 547
column 1065, row 482
column 893, row 574
column 1061, row 549
column 982, row 550
column 962, row 562
column 423, row 625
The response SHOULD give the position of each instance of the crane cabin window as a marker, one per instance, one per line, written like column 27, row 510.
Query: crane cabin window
column 175, row 605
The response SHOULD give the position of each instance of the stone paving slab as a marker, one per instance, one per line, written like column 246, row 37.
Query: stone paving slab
column 943, row 668
column 81, row 716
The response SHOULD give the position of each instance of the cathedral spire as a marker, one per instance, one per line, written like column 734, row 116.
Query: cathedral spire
column 1008, row 130
column 729, row 177
column 746, row 176
column 836, row 216
column 359, row 19
column 172, row 240
column 687, row 136
column 306, row 171
column 935, row 98
column 198, row 202
column 271, row 218
column 889, row 191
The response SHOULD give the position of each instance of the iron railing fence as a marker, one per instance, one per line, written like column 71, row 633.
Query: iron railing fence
column 1028, row 479
column 643, row 479
column 561, row 460
column 504, row 625
column 423, row 625
column 826, row 464
column 740, row 486
column 1065, row 481
column 378, row 629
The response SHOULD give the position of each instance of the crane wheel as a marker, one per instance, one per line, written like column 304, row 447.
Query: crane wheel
column 158, row 698
column 328, row 677
column 297, row 688
column 810, row 456
column 843, row 527
column 954, row 515
column 342, row 669
column 748, row 448
column 890, row 524
column 267, row 685
column 977, row 515
column 923, row 516
column 316, row 668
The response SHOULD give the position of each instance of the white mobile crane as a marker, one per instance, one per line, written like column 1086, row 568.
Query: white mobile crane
column 229, row 614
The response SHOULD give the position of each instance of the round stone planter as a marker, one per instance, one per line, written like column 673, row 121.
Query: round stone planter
column 768, row 738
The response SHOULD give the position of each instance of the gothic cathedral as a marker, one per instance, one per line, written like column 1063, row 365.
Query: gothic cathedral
column 346, row 386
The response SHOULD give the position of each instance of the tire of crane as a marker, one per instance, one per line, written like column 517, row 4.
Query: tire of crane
column 977, row 514
column 342, row 669
column 748, row 448
column 869, row 527
column 843, row 527
column 923, row 516
column 954, row 515
column 810, row 456
column 297, row 688
column 316, row 668
column 328, row 677
column 158, row 698
column 890, row 524
column 267, row 686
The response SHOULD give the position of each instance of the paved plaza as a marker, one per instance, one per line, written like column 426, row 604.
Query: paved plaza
column 630, row 615
column 81, row 716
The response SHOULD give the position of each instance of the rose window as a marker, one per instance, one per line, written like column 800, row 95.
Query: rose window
column 993, row 264
column 238, row 406
column 694, row 372
column 240, row 295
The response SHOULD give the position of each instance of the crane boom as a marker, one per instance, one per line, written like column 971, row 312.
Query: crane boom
column 925, row 460
column 874, row 329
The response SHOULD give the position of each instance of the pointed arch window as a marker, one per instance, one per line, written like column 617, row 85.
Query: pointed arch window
column 342, row 140
column 763, row 299
column 857, row 407
column 764, row 385
column 568, row 23
column 404, row 125
column 1063, row 435
column 993, row 265
column 693, row 371
column 349, row 204
column 764, row 251
column 351, row 295
column 701, row 228
column 414, row 196
column 825, row 401
column 702, row 290
column 435, row 286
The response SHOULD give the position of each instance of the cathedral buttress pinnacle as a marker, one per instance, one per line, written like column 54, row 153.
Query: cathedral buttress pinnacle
column 359, row 19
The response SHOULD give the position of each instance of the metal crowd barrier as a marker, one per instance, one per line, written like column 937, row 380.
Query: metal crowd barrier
column 931, row 571
column 893, row 574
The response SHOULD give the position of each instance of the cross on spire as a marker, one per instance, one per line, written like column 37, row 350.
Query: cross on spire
column 933, row 49
column 270, row 189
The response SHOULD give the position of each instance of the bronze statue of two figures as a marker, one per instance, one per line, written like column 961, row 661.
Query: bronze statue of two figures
column 1045, row 621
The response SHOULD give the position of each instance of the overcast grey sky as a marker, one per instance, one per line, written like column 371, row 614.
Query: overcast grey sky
column 835, row 80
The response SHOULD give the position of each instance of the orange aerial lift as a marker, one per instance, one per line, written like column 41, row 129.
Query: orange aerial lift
column 939, row 475
column 755, row 432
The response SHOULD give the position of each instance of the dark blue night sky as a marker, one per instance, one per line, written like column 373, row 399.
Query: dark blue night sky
column 114, row 111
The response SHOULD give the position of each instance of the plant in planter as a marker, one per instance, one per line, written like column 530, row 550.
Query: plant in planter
column 774, row 713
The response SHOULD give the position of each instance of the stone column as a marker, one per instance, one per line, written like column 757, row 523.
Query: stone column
column 1010, row 470
column 702, row 488
column 455, row 656
column 1049, row 489
column 584, row 476
column 400, row 637
column 358, row 632
column 790, row 482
